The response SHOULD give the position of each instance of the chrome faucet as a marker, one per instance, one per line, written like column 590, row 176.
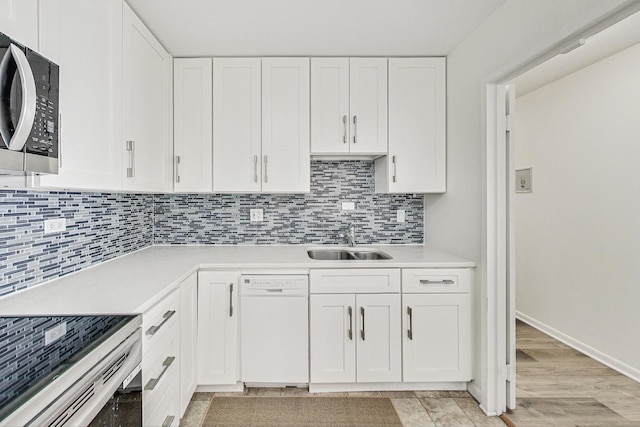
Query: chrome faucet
column 350, row 235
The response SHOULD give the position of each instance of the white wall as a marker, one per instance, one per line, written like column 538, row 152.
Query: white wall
column 456, row 221
column 578, row 233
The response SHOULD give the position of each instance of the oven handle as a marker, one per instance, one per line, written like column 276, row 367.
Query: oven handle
column 14, row 59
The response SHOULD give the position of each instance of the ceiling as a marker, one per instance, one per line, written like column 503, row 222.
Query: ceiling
column 312, row 27
column 610, row 41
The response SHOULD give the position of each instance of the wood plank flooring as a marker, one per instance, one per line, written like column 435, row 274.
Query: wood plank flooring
column 415, row 409
column 559, row 386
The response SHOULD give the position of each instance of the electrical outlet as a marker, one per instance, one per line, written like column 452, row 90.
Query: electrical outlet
column 401, row 215
column 52, row 335
column 256, row 215
column 56, row 225
column 348, row 206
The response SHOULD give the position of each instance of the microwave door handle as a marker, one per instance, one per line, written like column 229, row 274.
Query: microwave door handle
column 18, row 139
column 7, row 71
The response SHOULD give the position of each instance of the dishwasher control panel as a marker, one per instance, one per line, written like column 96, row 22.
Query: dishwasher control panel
column 260, row 284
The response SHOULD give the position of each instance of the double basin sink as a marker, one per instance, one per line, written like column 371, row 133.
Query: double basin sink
column 347, row 254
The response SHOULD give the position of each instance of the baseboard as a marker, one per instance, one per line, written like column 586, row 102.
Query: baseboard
column 601, row 357
column 358, row 387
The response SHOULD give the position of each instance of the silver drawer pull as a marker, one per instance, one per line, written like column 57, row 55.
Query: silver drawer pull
column 153, row 382
column 437, row 282
column 345, row 120
column 266, row 160
column 410, row 331
column 230, row 299
column 131, row 148
column 362, row 331
column 350, row 311
column 255, row 168
column 178, row 169
column 152, row 330
column 394, row 160
column 355, row 129
column 168, row 421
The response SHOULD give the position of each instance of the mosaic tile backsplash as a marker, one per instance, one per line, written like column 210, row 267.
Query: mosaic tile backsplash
column 24, row 357
column 313, row 218
column 99, row 227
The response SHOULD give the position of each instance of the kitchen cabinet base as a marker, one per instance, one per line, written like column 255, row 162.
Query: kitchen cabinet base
column 402, row 386
column 222, row 388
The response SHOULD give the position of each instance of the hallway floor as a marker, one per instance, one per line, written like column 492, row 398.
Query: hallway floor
column 559, row 386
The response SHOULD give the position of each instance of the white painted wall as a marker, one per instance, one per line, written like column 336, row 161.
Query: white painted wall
column 457, row 221
column 578, row 233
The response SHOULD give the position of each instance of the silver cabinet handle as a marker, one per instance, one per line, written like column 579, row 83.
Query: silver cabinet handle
column 230, row 299
column 350, row 311
column 410, row 331
column 131, row 148
column 266, row 177
column 255, row 168
column 60, row 141
column 362, row 331
column 355, row 129
column 177, row 169
column 168, row 421
column 395, row 168
column 345, row 120
column 165, row 318
column 437, row 282
column 153, row 382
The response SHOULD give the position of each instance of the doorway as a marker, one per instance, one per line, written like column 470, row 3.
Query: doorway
column 562, row 293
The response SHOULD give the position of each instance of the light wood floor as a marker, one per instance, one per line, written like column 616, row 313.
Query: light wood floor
column 559, row 386
column 415, row 409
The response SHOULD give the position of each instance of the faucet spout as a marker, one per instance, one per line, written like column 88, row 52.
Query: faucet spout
column 350, row 235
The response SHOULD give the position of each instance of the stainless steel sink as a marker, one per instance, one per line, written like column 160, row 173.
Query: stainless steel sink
column 340, row 254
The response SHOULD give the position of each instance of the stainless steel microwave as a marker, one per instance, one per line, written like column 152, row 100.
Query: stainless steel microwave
column 29, row 99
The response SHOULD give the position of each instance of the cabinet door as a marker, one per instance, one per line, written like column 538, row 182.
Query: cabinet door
column 285, row 125
column 417, row 146
column 378, row 330
column 147, row 99
column 217, row 328
column 19, row 20
column 192, row 143
column 368, row 105
column 188, row 339
column 332, row 338
column 85, row 39
column 237, row 156
column 436, row 330
column 330, row 105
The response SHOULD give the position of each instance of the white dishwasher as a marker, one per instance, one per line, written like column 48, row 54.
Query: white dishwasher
column 274, row 329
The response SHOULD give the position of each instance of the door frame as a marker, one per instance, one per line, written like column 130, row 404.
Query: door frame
column 499, row 168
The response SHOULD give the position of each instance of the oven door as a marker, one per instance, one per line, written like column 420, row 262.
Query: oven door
column 124, row 408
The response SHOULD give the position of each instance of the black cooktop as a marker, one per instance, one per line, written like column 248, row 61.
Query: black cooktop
column 31, row 357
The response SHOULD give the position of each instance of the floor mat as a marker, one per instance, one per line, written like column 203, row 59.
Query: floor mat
column 300, row 411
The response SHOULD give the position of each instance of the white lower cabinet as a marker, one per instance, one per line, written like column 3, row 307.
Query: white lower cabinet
column 188, row 339
column 161, row 357
column 217, row 328
column 354, row 337
column 436, row 337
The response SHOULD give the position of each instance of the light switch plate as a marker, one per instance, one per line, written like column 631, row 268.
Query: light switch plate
column 348, row 206
column 256, row 215
column 401, row 215
column 523, row 180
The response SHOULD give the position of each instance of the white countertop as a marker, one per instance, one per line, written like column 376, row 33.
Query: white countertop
column 133, row 283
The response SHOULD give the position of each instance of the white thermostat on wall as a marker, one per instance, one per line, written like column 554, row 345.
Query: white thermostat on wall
column 523, row 180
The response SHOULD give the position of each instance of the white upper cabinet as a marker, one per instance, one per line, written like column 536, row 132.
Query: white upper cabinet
column 349, row 106
column 85, row 39
column 19, row 20
column 237, row 150
column 416, row 162
column 192, row 125
column 147, row 101
column 285, row 125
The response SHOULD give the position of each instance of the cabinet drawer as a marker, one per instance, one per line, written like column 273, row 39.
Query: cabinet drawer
column 349, row 281
column 160, row 367
column 160, row 318
column 167, row 412
column 436, row 280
